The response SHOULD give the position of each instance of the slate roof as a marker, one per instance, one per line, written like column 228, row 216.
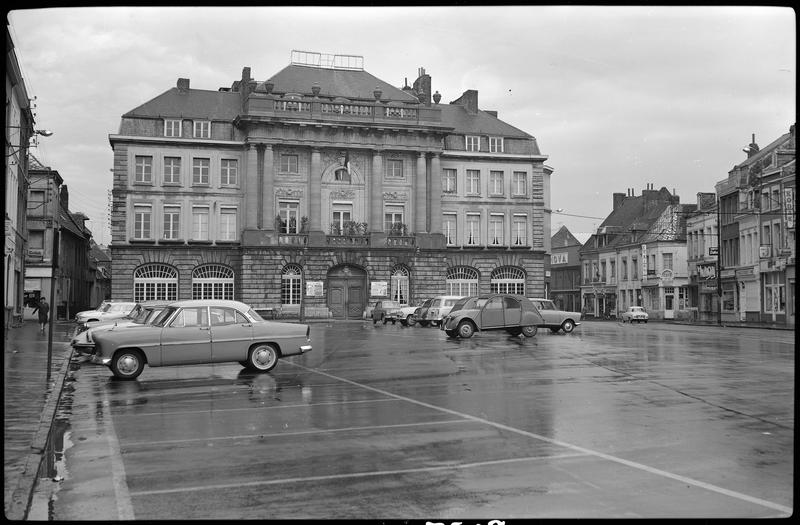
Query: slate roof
column 191, row 103
column 563, row 238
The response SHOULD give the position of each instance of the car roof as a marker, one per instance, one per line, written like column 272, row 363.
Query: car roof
column 188, row 303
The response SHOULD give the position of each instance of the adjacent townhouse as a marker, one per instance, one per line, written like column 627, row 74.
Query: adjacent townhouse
column 322, row 188
column 565, row 270
column 702, row 252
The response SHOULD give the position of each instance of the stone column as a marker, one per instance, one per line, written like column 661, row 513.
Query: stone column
column 315, row 192
column 268, row 189
column 250, row 183
column 436, row 194
column 376, row 193
column 420, row 195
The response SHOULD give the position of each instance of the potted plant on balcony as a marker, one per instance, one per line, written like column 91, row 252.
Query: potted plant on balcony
column 398, row 229
column 303, row 224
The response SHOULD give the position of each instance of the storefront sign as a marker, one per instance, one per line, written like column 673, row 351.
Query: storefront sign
column 644, row 259
column 314, row 289
column 713, row 250
column 764, row 251
column 788, row 207
column 378, row 288
column 559, row 258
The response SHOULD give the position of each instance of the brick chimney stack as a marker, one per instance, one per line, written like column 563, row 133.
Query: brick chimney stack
column 183, row 84
column 469, row 100
column 619, row 198
column 422, row 87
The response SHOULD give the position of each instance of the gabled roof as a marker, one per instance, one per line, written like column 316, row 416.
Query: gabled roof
column 764, row 152
column 482, row 122
column 191, row 103
column 563, row 238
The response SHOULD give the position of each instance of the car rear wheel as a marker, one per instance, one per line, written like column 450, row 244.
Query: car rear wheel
column 514, row 330
column 410, row 321
column 127, row 364
column 529, row 331
column 568, row 326
column 465, row 329
column 263, row 358
column 383, row 319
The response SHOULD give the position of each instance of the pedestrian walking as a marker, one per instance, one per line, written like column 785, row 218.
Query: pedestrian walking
column 44, row 309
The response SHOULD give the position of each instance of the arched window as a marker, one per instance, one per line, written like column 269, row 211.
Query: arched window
column 508, row 279
column 462, row 280
column 399, row 288
column 212, row 281
column 291, row 282
column 155, row 282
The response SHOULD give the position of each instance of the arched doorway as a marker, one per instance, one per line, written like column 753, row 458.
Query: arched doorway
column 347, row 291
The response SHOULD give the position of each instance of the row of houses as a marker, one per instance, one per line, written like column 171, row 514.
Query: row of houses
column 728, row 257
column 49, row 251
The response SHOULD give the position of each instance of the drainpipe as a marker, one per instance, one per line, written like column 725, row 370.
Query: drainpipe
column 719, row 261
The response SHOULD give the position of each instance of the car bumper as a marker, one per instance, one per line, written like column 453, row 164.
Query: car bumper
column 305, row 348
column 83, row 349
column 94, row 358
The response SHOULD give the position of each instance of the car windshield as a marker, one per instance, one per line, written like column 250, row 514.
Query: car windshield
column 165, row 314
column 460, row 304
column 254, row 315
column 121, row 307
column 391, row 304
column 104, row 307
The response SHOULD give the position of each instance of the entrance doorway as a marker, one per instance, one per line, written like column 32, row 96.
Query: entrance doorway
column 669, row 302
column 347, row 292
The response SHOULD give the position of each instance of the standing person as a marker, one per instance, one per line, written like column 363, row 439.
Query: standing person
column 43, row 309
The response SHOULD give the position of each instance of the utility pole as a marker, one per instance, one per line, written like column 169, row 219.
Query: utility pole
column 53, row 303
column 719, row 261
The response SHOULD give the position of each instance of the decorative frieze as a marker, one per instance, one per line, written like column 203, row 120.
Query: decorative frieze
column 395, row 196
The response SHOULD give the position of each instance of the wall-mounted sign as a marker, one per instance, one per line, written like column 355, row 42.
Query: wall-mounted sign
column 314, row 289
column 559, row 258
column 378, row 288
column 788, row 207
column 713, row 250
column 764, row 251
column 644, row 259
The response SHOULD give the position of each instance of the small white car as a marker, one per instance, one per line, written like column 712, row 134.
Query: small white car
column 556, row 319
column 634, row 314
column 110, row 310
column 439, row 308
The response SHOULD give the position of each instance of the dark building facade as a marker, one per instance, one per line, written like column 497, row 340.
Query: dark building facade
column 565, row 270
column 324, row 188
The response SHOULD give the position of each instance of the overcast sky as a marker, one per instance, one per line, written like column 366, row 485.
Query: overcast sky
column 616, row 97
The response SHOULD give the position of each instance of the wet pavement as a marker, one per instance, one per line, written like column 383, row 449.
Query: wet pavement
column 614, row 420
column 29, row 402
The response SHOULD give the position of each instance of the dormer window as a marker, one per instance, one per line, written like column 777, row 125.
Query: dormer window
column 496, row 144
column 473, row 143
column 172, row 128
column 202, row 129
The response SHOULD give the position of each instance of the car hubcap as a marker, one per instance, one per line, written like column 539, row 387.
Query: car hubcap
column 128, row 364
column 263, row 357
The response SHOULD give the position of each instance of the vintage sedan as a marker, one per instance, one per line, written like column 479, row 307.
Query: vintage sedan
column 385, row 311
column 512, row 313
column 144, row 313
column 198, row 332
column 556, row 319
column 109, row 310
column 634, row 314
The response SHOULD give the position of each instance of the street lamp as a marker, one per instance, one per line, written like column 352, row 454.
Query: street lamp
column 20, row 147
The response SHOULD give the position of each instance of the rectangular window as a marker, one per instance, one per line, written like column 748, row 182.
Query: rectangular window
column 495, row 182
column 289, row 216
column 36, row 240
column 520, row 230
column 229, row 172
column 143, row 169
column 289, row 164
column 496, row 144
column 227, row 224
column 172, row 220
column 472, row 143
column 172, row 170
column 448, row 180
column 774, row 293
column 473, row 182
column 142, row 215
column 624, row 275
column 172, row 128
column 342, row 213
column 201, row 171
column 36, row 202
column 496, row 224
column 202, row 129
column 473, row 229
column 393, row 219
column 634, row 268
column 520, row 183
column 394, row 169
column 449, row 228
column 200, row 223
column 666, row 259
column 765, row 205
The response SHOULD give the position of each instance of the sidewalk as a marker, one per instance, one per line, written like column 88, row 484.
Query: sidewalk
column 29, row 405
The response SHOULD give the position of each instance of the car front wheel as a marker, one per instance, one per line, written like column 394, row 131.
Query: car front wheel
column 127, row 364
column 529, row 331
column 465, row 329
column 514, row 330
column 451, row 333
column 568, row 326
column 410, row 321
column 262, row 358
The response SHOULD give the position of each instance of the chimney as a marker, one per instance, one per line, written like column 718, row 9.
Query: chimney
column 619, row 198
column 469, row 100
column 183, row 84
column 422, row 86
column 752, row 149
column 63, row 196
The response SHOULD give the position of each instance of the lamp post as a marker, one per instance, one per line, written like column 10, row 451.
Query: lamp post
column 53, row 305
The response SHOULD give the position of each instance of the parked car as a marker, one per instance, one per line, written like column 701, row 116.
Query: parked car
column 142, row 314
column 512, row 313
column 408, row 314
column 386, row 311
column 635, row 314
column 440, row 306
column 86, row 313
column 556, row 319
column 201, row 331
column 421, row 311
column 110, row 310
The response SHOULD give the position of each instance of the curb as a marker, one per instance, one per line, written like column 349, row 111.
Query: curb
column 23, row 493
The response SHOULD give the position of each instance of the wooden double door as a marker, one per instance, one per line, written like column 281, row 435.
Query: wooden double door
column 347, row 292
